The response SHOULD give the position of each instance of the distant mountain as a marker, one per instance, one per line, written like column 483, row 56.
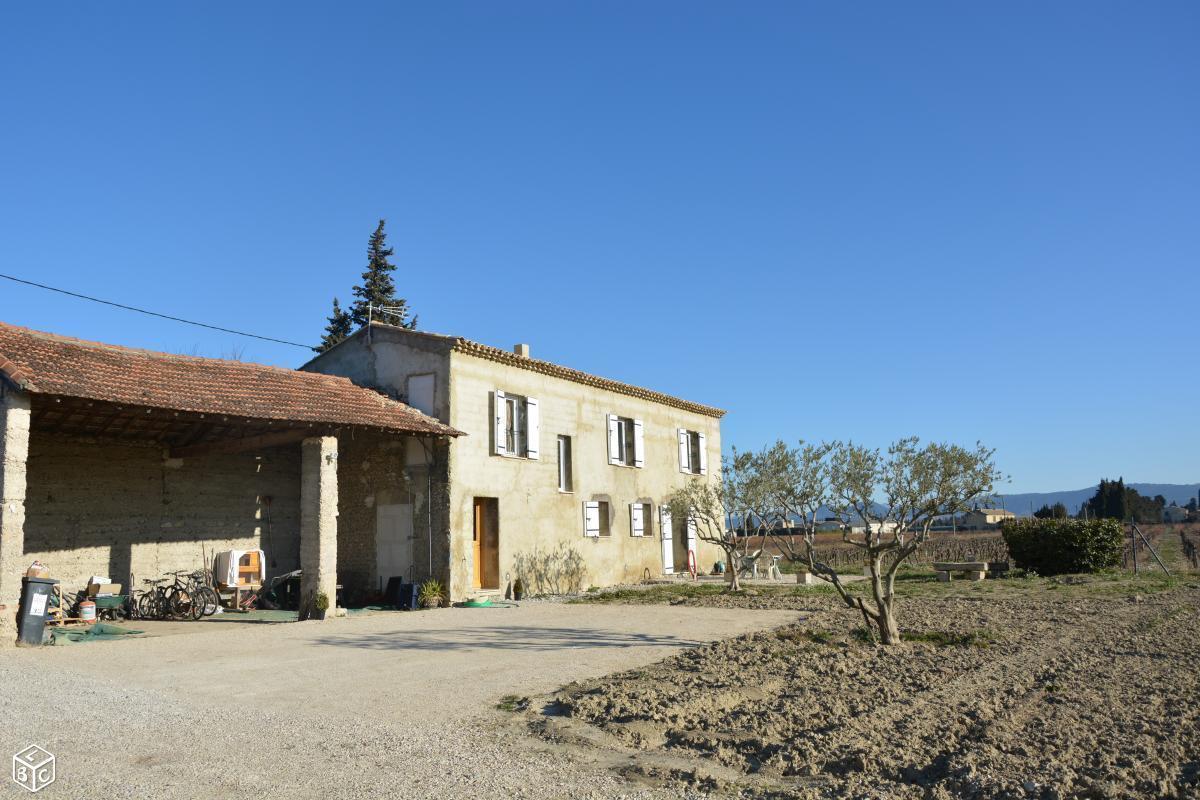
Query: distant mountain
column 1026, row 504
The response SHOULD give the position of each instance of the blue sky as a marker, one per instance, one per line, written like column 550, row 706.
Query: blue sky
column 837, row 220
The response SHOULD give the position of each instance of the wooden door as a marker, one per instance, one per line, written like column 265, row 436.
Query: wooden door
column 480, row 532
column 486, row 544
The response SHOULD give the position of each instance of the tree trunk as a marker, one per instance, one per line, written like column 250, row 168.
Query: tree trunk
column 735, row 584
column 889, row 632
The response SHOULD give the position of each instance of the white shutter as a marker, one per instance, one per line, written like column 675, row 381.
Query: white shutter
column 691, row 535
column 639, row 443
column 532, row 427
column 591, row 518
column 685, row 452
column 614, row 446
column 668, row 551
column 499, row 423
column 703, row 455
column 637, row 521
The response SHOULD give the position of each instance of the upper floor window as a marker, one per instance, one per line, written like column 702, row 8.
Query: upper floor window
column 564, row 464
column 420, row 392
column 625, row 441
column 693, row 452
column 516, row 425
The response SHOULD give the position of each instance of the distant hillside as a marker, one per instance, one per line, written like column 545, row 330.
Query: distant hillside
column 1021, row 504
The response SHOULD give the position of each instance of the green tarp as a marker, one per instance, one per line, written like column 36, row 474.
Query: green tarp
column 91, row 633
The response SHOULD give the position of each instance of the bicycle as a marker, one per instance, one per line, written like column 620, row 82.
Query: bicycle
column 152, row 602
column 183, row 598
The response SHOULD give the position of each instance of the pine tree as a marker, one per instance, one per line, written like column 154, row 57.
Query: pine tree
column 339, row 327
column 378, row 288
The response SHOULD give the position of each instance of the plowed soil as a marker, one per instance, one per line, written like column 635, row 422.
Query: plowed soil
column 1042, row 688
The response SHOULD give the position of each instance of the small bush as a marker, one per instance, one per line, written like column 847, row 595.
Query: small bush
column 1059, row 546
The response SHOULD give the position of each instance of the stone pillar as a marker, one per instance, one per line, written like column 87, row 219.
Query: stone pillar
column 14, row 454
column 318, row 522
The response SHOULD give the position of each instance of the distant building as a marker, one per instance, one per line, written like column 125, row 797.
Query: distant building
column 982, row 518
column 1175, row 514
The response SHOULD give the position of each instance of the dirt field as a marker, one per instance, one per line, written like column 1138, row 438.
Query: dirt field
column 387, row 705
column 1047, row 688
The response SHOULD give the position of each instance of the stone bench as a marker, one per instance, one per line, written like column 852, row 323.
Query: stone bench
column 972, row 570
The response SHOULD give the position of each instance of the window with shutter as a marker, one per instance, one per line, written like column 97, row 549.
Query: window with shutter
column 693, row 455
column 532, row 427
column 517, row 425
column 500, row 427
column 637, row 524
column 623, row 434
column 591, row 518
column 639, row 444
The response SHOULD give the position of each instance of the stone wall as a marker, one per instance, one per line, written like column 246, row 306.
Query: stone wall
column 375, row 470
column 107, row 508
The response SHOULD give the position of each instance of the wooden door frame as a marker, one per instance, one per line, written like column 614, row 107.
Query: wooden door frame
column 485, row 543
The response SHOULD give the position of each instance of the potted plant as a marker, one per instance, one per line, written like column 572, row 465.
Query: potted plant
column 430, row 594
column 518, row 589
column 320, row 605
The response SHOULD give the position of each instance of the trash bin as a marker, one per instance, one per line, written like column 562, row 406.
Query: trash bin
column 35, row 606
column 407, row 600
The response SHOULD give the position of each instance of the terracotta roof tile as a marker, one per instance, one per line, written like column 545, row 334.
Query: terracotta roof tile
column 45, row 363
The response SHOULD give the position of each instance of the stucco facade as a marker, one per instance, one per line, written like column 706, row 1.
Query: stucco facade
column 536, row 526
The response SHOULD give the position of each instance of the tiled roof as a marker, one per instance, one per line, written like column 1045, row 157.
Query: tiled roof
column 45, row 363
column 461, row 345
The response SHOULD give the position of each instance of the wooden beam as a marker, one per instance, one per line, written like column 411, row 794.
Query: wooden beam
column 239, row 445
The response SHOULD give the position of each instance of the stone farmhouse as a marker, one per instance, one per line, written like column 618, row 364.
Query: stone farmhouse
column 355, row 468
column 553, row 458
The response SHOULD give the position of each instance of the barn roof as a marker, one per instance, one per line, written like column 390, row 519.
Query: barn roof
column 49, row 364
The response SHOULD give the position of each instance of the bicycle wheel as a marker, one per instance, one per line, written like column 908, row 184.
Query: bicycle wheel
column 146, row 606
column 209, row 600
column 181, row 604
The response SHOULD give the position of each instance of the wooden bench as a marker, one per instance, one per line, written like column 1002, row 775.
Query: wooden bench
column 973, row 570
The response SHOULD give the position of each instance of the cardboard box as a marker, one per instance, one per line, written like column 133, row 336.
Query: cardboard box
column 103, row 589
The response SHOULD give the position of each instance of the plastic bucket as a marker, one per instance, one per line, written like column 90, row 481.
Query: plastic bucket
column 87, row 611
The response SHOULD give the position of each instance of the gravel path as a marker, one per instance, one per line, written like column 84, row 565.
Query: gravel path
column 383, row 705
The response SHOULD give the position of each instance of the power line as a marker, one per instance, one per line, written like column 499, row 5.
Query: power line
column 153, row 313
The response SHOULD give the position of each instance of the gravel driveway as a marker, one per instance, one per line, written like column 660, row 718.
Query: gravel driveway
column 391, row 704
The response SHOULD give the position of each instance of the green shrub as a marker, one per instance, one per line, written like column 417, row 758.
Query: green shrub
column 1058, row 546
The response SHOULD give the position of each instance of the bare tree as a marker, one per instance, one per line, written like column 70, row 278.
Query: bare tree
column 709, row 505
column 797, row 483
column 895, row 499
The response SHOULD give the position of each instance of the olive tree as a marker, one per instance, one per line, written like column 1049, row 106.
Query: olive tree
column 797, row 486
column 888, row 502
column 708, row 505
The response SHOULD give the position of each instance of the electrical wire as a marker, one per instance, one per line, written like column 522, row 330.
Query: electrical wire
column 153, row 313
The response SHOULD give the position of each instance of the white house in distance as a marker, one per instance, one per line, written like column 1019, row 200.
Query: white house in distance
column 983, row 518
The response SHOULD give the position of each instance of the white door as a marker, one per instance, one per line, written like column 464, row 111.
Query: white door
column 691, row 542
column 668, row 545
column 394, row 542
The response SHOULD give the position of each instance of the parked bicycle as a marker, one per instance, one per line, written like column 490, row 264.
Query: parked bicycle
column 183, row 595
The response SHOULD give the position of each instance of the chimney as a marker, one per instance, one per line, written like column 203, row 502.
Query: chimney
column 522, row 350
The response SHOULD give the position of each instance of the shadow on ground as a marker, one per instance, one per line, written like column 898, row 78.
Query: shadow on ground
column 503, row 638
